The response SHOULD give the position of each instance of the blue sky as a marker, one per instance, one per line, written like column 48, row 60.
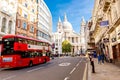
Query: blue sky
column 74, row 9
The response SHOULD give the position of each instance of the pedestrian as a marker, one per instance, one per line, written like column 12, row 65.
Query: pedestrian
column 102, row 58
column 99, row 59
column 92, row 64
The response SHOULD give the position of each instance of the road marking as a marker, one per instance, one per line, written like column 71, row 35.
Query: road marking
column 66, row 78
column 34, row 69
column 85, row 72
column 64, row 64
column 9, row 77
column 73, row 70
column 77, row 64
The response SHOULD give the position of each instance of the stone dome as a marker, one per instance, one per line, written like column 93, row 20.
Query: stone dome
column 66, row 24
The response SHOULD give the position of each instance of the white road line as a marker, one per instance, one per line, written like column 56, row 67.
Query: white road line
column 77, row 64
column 66, row 78
column 34, row 69
column 73, row 70
column 80, row 60
column 85, row 72
column 9, row 77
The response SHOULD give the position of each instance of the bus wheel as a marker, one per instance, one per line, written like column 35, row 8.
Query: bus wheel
column 30, row 64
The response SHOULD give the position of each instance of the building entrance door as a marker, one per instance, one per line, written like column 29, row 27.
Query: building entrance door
column 114, row 52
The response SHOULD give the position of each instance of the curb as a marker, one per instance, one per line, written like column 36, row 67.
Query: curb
column 89, row 71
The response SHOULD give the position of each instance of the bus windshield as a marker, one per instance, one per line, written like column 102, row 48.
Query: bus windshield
column 8, row 46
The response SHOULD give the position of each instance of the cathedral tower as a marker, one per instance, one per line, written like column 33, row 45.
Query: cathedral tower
column 82, row 33
column 59, row 26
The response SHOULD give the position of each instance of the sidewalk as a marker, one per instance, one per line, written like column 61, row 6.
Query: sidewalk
column 106, row 71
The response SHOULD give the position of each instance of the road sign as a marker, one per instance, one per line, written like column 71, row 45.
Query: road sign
column 104, row 23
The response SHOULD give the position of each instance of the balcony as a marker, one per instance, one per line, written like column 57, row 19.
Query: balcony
column 106, row 4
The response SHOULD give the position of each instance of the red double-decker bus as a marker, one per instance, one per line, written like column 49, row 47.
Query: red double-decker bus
column 20, row 51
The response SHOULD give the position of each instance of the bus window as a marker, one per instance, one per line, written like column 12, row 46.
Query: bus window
column 43, row 44
column 25, row 54
column 48, row 54
column 40, row 54
column 40, row 43
column 47, row 44
column 31, row 54
column 25, row 41
column 36, row 54
column 31, row 42
column 35, row 42
column 20, row 40
column 8, row 46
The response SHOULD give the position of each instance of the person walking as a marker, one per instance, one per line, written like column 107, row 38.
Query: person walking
column 92, row 64
column 102, row 58
column 99, row 59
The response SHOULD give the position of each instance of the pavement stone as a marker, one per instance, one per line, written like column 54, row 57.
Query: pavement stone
column 106, row 71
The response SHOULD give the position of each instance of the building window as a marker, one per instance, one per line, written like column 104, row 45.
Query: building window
column 42, row 35
column 56, row 44
column 36, row 1
column 24, row 25
column 26, row 5
column 25, row 15
column 33, row 10
column 3, row 25
column 76, row 39
column 72, row 39
column 32, row 29
column 23, row 34
column 18, row 23
column 10, row 27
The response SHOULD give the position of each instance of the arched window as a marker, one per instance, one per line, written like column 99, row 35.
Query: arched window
column 3, row 25
column 9, row 27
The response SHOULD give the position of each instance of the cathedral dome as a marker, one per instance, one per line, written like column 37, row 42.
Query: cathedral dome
column 66, row 24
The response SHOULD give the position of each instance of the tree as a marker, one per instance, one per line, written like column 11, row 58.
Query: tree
column 66, row 46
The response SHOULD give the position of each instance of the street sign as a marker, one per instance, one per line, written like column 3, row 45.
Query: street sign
column 104, row 23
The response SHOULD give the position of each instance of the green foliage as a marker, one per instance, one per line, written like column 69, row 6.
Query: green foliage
column 66, row 46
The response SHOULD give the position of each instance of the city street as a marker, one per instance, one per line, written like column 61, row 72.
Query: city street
column 63, row 68
column 59, row 40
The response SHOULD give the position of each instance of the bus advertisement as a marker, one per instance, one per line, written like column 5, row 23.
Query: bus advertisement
column 21, row 51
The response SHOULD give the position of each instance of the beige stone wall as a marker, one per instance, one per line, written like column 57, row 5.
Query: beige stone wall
column 106, row 10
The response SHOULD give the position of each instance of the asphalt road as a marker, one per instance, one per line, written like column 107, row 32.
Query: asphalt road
column 65, row 68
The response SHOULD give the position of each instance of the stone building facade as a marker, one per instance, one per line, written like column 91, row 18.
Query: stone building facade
column 107, row 35
column 28, row 18
column 65, row 32
column 8, row 11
